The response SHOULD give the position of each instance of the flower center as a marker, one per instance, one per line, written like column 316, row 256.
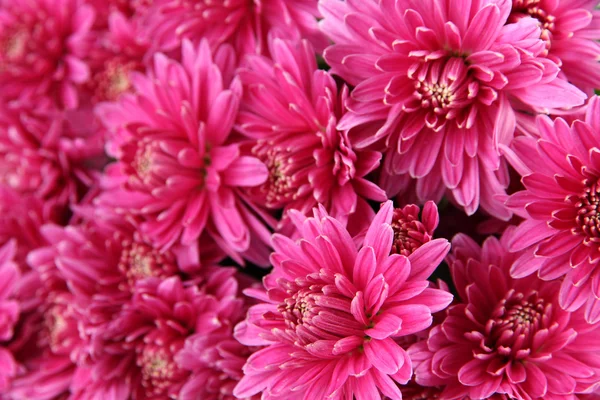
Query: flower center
column 299, row 308
column 113, row 80
column 588, row 218
column 13, row 44
column 61, row 328
column 139, row 261
column 441, row 90
column 409, row 232
column 279, row 188
column 142, row 162
column 311, row 315
column 515, row 321
column 159, row 371
column 533, row 9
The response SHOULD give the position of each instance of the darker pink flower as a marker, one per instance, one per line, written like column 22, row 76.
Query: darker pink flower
column 506, row 336
column 292, row 109
column 410, row 231
column 119, row 50
column 46, row 343
column 435, row 86
column 42, row 155
column 177, row 166
column 244, row 24
column 560, row 204
column 331, row 312
column 148, row 356
column 570, row 30
column 42, row 46
column 102, row 259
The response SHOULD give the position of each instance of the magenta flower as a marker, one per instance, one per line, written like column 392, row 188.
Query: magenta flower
column 119, row 51
column 148, row 357
column 506, row 336
column 569, row 29
column 116, row 257
column 410, row 232
column 175, row 166
column 9, row 312
column 244, row 24
column 560, row 203
column 43, row 156
column 292, row 109
column 435, row 87
column 331, row 312
column 42, row 46
column 46, row 343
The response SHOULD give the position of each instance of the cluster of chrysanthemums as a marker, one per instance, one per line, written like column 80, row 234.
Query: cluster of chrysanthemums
column 159, row 157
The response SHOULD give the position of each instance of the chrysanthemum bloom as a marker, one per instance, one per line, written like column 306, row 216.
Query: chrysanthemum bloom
column 570, row 30
column 119, row 50
column 410, row 231
column 506, row 336
column 331, row 312
column 176, row 167
column 245, row 24
column 9, row 312
column 47, row 360
column 434, row 85
column 561, row 174
column 46, row 343
column 103, row 259
column 153, row 328
column 291, row 108
column 42, row 46
column 41, row 155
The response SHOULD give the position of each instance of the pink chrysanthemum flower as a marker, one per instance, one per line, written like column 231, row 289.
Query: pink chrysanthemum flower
column 116, row 257
column 47, row 343
column 9, row 312
column 116, row 260
column 42, row 46
column 571, row 30
column 176, row 167
column 119, row 51
column 435, row 85
column 243, row 23
column 43, row 156
column 560, row 204
column 506, row 336
column 147, row 357
column 331, row 312
column 292, row 109
column 410, row 231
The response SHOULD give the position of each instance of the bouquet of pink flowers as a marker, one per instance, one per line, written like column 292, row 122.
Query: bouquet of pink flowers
column 299, row 199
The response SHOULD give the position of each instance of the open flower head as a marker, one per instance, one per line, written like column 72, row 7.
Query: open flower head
column 175, row 166
column 560, row 204
column 435, row 86
column 506, row 336
column 331, row 312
